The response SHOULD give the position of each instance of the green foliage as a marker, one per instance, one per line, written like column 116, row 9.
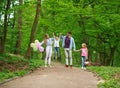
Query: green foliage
column 12, row 66
column 93, row 22
column 110, row 84
column 6, row 75
column 108, row 74
column 34, row 63
column 21, row 73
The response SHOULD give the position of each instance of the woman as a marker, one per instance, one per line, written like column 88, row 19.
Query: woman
column 48, row 41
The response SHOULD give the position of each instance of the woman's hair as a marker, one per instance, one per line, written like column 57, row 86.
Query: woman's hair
column 84, row 45
column 45, row 38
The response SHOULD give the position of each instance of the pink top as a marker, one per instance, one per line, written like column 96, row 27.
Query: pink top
column 84, row 51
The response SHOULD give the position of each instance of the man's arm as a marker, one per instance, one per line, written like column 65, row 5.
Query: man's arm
column 73, row 42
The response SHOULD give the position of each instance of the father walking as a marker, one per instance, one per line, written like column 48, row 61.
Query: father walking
column 68, row 44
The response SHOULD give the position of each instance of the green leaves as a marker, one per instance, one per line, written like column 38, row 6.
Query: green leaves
column 107, row 74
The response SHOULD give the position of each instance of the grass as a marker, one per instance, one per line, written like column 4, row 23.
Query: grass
column 109, row 75
column 12, row 66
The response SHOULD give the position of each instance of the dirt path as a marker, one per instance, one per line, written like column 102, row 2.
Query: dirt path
column 55, row 77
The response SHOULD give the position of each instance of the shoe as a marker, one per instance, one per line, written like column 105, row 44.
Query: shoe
column 82, row 68
column 50, row 66
column 70, row 66
column 66, row 66
column 45, row 65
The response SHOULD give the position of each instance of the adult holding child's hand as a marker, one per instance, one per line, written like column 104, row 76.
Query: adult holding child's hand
column 68, row 44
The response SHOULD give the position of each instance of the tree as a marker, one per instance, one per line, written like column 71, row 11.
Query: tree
column 38, row 7
column 3, row 38
column 18, row 42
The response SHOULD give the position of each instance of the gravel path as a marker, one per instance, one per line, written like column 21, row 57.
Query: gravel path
column 55, row 77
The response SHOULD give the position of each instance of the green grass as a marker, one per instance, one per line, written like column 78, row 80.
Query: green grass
column 12, row 66
column 107, row 74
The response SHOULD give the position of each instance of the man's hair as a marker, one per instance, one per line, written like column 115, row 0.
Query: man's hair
column 70, row 32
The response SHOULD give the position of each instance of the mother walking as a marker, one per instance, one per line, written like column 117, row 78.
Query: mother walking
column 48, row 41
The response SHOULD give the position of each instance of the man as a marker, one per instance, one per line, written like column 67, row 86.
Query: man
column 68, row 44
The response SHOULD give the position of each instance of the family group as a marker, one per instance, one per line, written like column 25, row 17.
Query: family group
column 68, row 44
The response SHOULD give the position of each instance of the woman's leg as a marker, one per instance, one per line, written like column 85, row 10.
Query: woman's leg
column 50, row 55
column 46, row 57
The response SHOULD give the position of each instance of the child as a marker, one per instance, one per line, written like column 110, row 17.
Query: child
column 56, row 46
column 84, row 54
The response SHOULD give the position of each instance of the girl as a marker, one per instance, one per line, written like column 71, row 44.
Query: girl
column 56, row 46
column 84, row 54
column 48, row 41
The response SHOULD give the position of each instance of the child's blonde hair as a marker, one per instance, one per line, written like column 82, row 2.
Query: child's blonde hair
column 84, row 45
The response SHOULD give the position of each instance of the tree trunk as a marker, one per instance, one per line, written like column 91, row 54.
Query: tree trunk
column 18, row 42
column 3, row 38
column 28, row 53
column 110, row 59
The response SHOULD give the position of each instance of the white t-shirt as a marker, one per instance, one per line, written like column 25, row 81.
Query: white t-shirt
column 56, row 42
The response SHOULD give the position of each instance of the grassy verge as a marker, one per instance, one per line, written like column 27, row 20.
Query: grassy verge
column 111, row 75
column 12, row 66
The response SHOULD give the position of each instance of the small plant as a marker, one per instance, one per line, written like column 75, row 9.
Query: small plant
column 107, row 73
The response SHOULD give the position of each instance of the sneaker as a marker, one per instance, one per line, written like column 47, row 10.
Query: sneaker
column 45, row 65
column 50, row 66
column 66, row 66
column 70, row 66
column 82, row 68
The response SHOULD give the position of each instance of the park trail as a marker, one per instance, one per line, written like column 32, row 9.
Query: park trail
column 55, row 77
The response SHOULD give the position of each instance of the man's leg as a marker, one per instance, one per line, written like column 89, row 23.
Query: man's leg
column 66, row 55
column 70, row 56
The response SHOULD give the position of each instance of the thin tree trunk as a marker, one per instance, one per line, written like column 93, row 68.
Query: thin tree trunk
column 110, row 59
column 13, row 25
column 3, row 39
column 18, row 42
column 28, row 53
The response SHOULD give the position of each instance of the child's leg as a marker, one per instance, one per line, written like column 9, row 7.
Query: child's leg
column 55, row 52
column 58, row 53
column 83, row 61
